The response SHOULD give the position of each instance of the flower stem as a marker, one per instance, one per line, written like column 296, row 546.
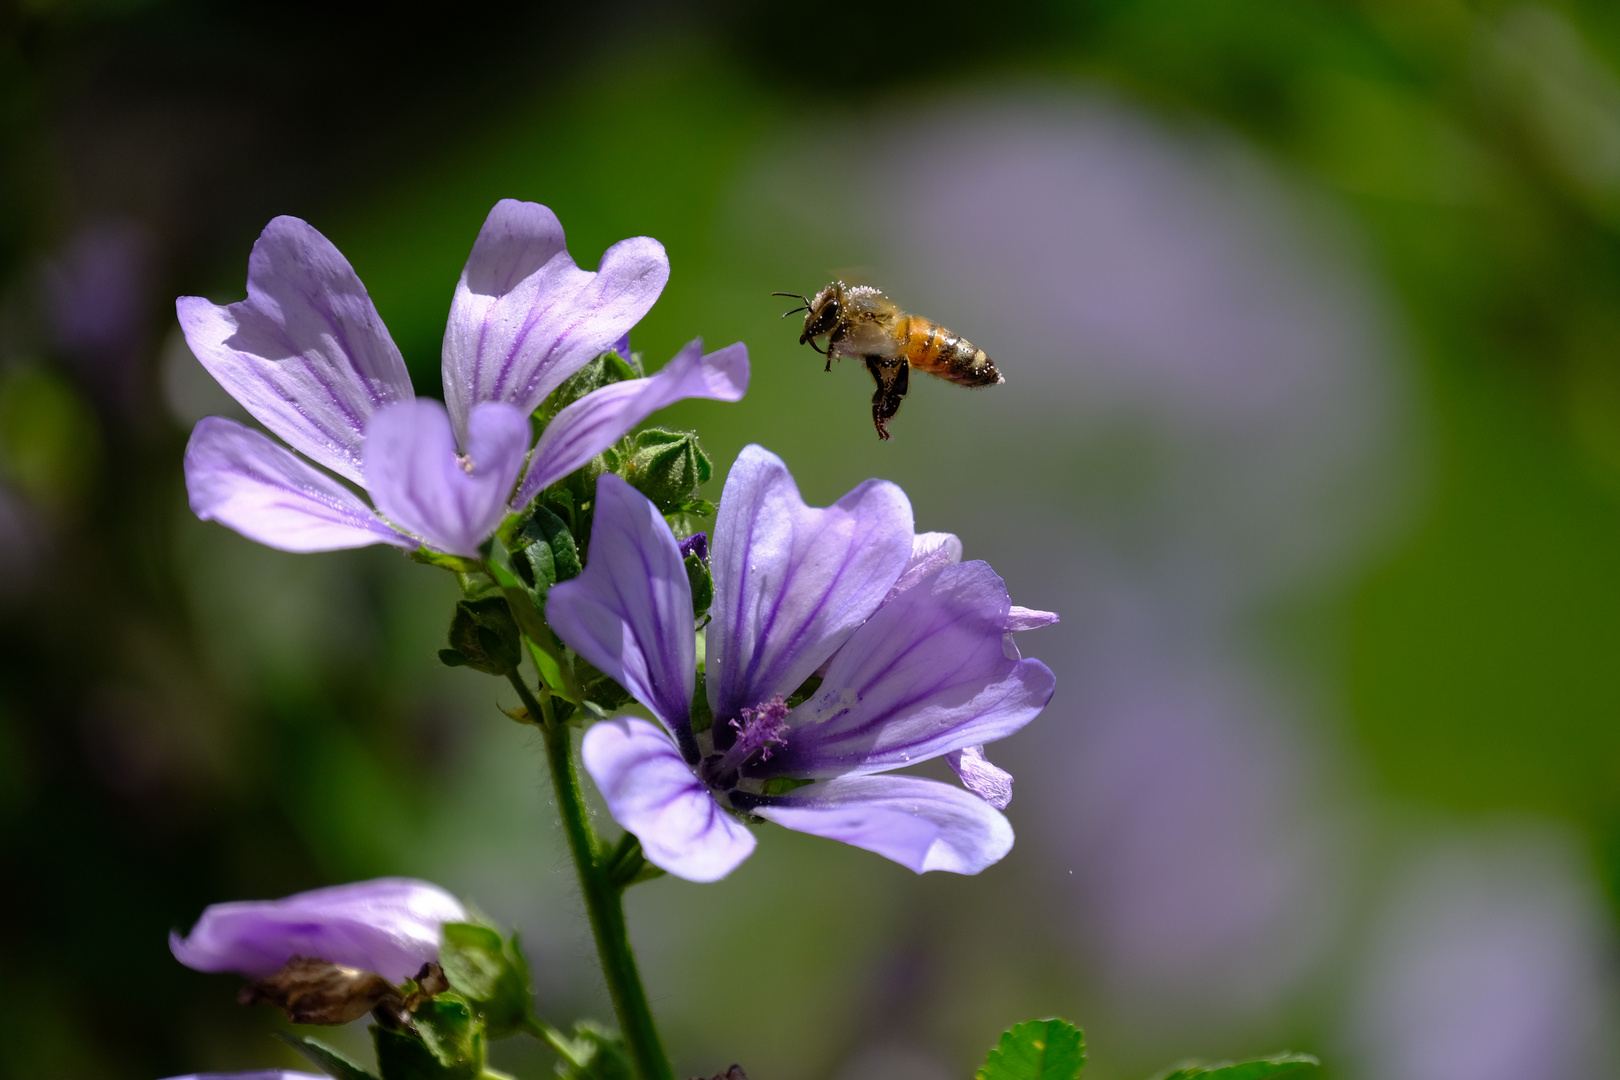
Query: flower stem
column 603, row 900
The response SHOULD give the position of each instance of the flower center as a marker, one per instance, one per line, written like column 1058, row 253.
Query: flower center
column 761, row 728
column 466, row 463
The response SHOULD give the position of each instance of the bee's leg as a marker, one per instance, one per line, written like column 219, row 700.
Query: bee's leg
column 893, row 378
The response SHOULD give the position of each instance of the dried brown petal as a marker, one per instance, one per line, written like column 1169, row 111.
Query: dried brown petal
column 313, row 991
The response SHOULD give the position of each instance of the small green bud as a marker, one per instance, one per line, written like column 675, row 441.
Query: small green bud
column 485, row 636
column 668, row 467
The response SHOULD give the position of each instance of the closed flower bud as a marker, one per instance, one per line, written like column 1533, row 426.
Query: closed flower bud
column 667, row 467
column 484, row 636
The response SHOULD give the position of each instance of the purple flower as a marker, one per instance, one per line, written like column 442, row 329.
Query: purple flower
column 307, row 355
column 390, row 926
column 915, row 658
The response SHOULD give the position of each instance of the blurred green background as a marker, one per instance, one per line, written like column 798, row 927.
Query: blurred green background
column 1310, row 313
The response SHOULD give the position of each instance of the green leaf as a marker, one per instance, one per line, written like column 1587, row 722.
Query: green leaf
column 1037, row 1050
column 597, row 686
column 489, row 972
column 593, row 1053
column 400, row 1056
column 1279, row 1065
column 447, row 1028
column 325, row 1058
column 697, row 576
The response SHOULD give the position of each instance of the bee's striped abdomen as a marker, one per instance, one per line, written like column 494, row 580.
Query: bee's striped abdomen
column 930, row 347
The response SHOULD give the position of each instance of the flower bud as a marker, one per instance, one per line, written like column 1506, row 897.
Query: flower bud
column 484, row 636
column 667, row 467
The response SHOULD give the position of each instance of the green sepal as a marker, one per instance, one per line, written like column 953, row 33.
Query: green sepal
column 698, row 577
column 555, row 671
column 605, row 370
column 489, row 972
column 485, row 634
column 1278, row 1065
column 1037, row 1050
column 668, row 467
column 452, row 658
column 324, row 1058
column 457, row 563
column 781, row 785
column 593, row 1053
column 627, row 865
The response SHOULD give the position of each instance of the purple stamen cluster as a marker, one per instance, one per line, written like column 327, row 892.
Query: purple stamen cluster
column 760, row 727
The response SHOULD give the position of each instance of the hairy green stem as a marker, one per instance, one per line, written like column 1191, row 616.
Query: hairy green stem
column 603, row 900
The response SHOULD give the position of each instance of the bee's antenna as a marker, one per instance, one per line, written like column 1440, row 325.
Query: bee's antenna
column 796, row 296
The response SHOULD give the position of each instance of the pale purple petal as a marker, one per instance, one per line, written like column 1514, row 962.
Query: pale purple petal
column 630, row 612
column 921, row 824
column 653, row 793
column 791, row 583
column 924, row 676
column 979, row 776
column 1023, row 618
column 245, row 481
column 524, row 317
column 930, row 552
column 420, row 483
column 603, row 417
column 306, row 352
column 390, row 926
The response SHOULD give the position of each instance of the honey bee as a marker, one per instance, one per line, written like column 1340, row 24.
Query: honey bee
column 859, row 320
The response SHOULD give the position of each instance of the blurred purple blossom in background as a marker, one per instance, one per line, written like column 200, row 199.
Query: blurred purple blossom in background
column 97, row 290
column 388, row 925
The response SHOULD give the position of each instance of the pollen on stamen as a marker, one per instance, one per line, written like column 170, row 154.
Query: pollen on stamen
column 465, row 461
column 761, row 727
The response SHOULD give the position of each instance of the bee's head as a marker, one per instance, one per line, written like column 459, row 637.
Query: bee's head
column 821, row 313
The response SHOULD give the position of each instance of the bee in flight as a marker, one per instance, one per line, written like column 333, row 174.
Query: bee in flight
column 860, row 321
